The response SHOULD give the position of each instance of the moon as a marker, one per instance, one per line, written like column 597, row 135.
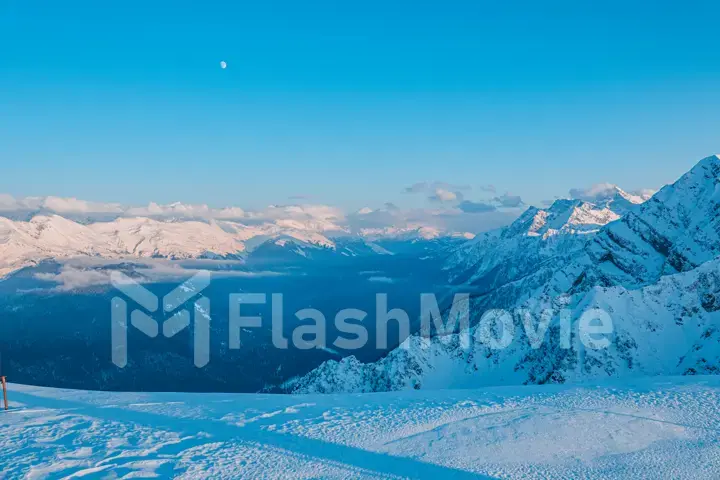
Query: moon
column 223, row 65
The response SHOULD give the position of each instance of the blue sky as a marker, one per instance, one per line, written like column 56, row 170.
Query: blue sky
column 351, row 102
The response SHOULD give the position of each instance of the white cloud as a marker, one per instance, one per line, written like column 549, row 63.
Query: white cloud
column 75, row 278
column 81, row 272
column 460, row 219
column 603, row 192
column 60, row 205
column 229, row 213
column 445, row 196
column 73, row 205
column 593, row 193
column 451, row 214
column 8, row 202
column 441, row 192
column 176, row 209
column 644, row 193
column 320, row 218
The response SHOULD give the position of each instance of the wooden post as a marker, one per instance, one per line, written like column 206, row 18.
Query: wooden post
column 4, row 387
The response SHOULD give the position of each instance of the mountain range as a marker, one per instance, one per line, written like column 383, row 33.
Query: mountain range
column 49, row 236
column 651, row 264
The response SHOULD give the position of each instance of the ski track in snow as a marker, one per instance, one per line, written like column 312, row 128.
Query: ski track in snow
column 643, row 428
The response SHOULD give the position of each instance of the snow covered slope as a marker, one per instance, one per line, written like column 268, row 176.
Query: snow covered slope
column 675, row 231
column 644, row 428
column 670, row 328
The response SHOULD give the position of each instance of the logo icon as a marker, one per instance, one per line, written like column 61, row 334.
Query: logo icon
column 171, row 303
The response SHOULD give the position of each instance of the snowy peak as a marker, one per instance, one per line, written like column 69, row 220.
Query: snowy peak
column 501, row 256
column 587, row 216
column 563, row 216
column 607, row 195
column 700, row 183
column 598, row 206
column 675, row 231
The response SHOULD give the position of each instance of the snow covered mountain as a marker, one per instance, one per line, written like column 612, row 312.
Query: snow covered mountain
column 607, row 195
column 144, row 237
column 670, row 328
column 24, row 243
column 541, row 253
column 653, row 270
column 530, row 249
column 27, row 242
column 675, row 231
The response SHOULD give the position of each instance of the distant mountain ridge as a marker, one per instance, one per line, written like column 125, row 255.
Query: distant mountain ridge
column 44, row 237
